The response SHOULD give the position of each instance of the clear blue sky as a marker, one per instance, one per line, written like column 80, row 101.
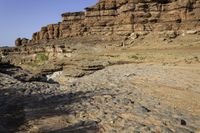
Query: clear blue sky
column 20, row 18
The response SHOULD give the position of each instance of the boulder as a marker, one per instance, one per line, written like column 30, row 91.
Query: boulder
column 192, row 32
column 168, row 35
column 18, row 42
column 24, row 41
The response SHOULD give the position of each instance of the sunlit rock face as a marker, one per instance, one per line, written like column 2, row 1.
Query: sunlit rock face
column 122, row 17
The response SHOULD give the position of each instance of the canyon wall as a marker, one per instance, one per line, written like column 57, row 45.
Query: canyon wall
column 122, row 17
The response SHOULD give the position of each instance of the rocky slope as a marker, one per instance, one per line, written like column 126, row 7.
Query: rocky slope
column 119, row 18
column 120, row 98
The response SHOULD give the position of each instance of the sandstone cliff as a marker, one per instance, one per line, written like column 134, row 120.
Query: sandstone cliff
column 122, row 17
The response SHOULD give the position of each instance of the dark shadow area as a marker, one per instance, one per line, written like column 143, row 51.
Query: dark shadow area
column 163, row 1
column 8, row 69
column 16, row 109
column 25, row 76
column 11, row 111
column 190, row 6
column 81, row 127
column 46, row 107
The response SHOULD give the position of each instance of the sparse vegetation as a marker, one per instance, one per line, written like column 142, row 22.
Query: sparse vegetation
column 196, row 58
column 41, row 57
column 134, row 57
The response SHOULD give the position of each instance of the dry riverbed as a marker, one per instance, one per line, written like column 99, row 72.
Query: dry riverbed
column 120, row 98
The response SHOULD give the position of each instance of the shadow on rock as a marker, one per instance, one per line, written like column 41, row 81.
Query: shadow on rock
column 16, row 109
column 25, row 76
column 81, row 127
column 11, row 111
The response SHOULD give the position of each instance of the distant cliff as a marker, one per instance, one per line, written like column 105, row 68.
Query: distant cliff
column 122, row 17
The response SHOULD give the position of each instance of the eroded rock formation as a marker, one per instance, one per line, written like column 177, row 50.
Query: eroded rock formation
column 122, row 17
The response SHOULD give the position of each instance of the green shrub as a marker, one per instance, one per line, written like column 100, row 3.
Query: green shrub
column 134, row 57
column 41, row 57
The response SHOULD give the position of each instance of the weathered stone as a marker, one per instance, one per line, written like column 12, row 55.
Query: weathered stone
column 191, row 32
column 24, row 41
column 122, row 17
column 18, row 42
column 73, row 16
column 168, row 35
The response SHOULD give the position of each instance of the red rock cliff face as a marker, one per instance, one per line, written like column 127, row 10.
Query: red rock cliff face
column 121, row 17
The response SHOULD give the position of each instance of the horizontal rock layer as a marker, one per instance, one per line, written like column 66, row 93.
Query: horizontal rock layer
column 122, row 17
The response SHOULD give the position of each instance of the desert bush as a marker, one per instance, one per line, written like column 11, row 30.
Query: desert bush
column 134, row 57
column 41, row 57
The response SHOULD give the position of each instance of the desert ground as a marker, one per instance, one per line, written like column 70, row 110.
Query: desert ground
column 142, row 88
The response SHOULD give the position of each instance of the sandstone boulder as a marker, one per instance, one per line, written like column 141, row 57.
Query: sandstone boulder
column 18, row 42
column 24, row 41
